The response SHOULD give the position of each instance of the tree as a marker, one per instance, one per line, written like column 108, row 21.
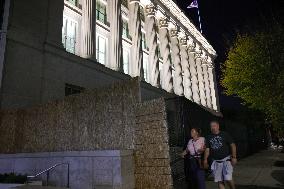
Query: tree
column 254, row 71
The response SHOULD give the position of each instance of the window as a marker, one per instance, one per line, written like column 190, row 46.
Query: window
column 72, row 89
column 101, row 49
column 69, row 34
column 145, row 66
column 101, row 12
column 73, row 2
column 125, row 29
column 125, row 61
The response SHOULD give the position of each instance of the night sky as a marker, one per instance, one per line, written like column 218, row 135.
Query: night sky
column 222, row 19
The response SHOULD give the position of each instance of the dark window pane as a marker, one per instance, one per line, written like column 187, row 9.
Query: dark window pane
column 72, row 89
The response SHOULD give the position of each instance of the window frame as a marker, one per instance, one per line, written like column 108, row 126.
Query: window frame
column 98, row 51
column 101, row 5
column 64, row 34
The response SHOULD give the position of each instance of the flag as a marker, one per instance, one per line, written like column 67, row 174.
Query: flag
column 194, row 4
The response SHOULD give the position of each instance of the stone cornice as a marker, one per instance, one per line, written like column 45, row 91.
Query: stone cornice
column 192, row 30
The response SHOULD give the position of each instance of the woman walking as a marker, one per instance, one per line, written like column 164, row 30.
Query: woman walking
column 194, row 152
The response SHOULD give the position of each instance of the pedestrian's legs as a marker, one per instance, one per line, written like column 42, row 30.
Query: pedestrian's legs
column 194, row 178
column 221, row 185
column 201, row 178
column 231, row 184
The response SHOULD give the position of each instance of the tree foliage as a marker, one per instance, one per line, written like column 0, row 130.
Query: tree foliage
column 254, row 71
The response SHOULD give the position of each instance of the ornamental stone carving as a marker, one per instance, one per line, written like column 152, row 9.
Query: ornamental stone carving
column 163, row 22
column 150, row 10
column 174, row 33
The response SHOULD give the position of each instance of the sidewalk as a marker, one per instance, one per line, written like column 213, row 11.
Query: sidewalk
column 263, row 170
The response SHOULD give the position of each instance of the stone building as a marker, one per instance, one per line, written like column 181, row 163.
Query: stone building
column 53, row 48
column 119, row 132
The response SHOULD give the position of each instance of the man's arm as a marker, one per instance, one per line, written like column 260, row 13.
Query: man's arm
column 234, row 153
column 206, row 155
column 233, row 150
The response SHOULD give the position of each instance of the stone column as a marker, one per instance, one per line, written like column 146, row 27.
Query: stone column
column 151, row 37
column 136, row 34
column 193, row 71
column 198, row 60
column 88, row 46
column 213, row 87
column 186, row 69
column 115, row 39
column 207, row 83
column 177, row 80
column 166, row 73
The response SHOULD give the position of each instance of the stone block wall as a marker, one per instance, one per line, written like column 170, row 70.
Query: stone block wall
column 152, row 158
column 87, row 169
column 97, row 119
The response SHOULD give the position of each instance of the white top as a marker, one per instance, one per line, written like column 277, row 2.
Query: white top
column 194, row 146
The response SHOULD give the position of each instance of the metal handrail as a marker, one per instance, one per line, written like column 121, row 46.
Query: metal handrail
column 47, row 173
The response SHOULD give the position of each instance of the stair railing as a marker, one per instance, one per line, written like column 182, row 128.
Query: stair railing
column 47, row 173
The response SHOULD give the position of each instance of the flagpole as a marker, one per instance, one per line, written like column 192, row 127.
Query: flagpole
column 199, row 19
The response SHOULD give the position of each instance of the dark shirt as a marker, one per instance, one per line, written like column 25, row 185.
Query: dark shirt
column 219, row 145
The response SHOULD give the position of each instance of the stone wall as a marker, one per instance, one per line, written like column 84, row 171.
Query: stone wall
column 152, row 159
column 98, row 119
column 111, row 118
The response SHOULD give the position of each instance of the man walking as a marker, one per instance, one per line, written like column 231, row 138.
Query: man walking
column 222, row 150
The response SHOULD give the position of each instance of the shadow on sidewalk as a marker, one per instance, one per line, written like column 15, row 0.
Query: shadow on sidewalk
column 279, row 176
column 255, row 187
column 279, row 163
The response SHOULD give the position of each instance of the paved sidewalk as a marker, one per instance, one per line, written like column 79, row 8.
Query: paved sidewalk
column 263, row 170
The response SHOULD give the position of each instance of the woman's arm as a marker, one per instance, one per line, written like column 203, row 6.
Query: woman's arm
column 202, row 149
column 203, row 146
column 183, row 153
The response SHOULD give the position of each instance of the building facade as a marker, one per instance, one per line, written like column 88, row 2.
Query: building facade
column 54, row 48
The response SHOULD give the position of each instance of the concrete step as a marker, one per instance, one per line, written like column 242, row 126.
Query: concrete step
column 36, row 183
column 38, row 187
